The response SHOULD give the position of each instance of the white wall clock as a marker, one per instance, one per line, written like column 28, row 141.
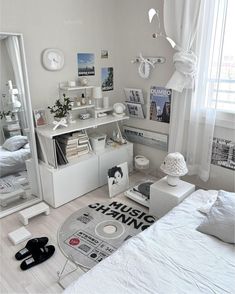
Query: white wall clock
column 53, row 59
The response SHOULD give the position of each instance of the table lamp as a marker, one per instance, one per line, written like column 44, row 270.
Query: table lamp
column 174, row 166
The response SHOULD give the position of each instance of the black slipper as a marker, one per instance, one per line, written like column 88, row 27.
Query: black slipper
column 38, row 257
column 31, row 245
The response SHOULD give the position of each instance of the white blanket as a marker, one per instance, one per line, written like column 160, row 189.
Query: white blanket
column 13, row 161
column 169, row 257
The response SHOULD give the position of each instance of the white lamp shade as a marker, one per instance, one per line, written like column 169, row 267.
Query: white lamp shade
column 174, row 165
column 97, row 93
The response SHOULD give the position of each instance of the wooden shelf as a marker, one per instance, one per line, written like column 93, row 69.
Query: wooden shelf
column 47, row 131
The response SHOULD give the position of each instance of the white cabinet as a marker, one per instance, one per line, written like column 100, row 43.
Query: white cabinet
column 77, row 178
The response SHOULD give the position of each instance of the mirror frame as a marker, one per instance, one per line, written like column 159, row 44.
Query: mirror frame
column 30, row 130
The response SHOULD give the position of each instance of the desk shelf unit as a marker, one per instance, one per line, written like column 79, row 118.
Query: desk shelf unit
column 83, row 174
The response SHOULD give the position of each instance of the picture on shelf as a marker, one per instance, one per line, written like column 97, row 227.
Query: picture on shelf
column 135, row 110
column 40, row 117
column 107, row 78
column 134, row 95
column 118, row 179
column 160, row 104
column 104, row 54
column 86, row 64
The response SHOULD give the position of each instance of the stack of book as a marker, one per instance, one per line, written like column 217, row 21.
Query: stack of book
column 71, row 146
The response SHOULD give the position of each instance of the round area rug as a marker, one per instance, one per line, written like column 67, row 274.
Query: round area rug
column 94, row 232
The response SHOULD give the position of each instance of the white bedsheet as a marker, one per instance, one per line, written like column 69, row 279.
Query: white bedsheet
column 169, row 257
column 13, row 161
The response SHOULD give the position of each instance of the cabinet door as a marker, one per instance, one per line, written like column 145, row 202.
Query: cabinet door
column 76, row 180
column 114, row 157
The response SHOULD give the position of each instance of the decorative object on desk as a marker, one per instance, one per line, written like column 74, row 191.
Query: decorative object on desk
column 174, row 166
column 53, row 59
column 118, row 179
column 160, row 104
column 134, row 95
column 104, row 54
column 83, row 81
column 86, row 63
column 141, row 163
column 40, row 117
column 107, row 78
column 60, row 110
column 98, row 97
column 106, row 102
column 135, row 110
column 97, row 141
column 83, row 99
column 84, row 115
column 119, row 109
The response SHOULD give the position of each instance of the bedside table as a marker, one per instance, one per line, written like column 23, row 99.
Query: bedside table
column 164, row 197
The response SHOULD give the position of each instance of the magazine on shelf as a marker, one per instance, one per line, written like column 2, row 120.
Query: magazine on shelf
column 135, row 110
column 134, row 95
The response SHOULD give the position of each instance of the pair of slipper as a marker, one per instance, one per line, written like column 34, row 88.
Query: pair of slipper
column 36, row 250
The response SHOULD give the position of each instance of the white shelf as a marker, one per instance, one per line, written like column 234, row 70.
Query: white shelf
column 66, row 88
column 47, row 131
column 83, row 107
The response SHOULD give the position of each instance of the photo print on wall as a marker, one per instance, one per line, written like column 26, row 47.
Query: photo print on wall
column 134, row 95
column 107, row 78
column 118, row 179
column 160, row 104
column 223, row 153
column 104, row 54
column 86, row 64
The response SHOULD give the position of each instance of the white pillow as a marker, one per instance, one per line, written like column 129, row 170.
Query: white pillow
column 15, row 143
column 220, row 220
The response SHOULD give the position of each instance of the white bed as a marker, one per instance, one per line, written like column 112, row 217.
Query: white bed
column 169, row 257
column 13, row 161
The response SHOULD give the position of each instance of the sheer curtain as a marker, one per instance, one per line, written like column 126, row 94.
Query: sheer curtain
column 193, row 114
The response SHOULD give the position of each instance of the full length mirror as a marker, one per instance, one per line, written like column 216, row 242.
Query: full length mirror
column 19, row 179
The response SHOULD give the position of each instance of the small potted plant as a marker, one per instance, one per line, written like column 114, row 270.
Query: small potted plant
column 60, row 110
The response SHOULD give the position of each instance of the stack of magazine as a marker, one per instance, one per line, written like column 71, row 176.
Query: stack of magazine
column 71, row 146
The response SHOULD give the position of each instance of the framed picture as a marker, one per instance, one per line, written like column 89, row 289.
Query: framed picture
column 160, row 104
column 40, row 117
column 86, row 64
column 104, row 54
column 134, row 95
column 118, row 179
column 107, row 78
column 135, row 110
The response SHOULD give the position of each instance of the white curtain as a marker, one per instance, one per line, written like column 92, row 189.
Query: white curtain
column 197, row 28
column 13, row 49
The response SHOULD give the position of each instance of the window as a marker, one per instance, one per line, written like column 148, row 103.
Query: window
column 223, row 83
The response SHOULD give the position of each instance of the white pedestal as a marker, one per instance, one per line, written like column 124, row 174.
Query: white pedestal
column 164, row 197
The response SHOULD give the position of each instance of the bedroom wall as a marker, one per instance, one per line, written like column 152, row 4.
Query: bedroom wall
column 70, row 25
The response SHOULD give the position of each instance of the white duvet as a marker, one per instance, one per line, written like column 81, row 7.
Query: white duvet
column 169, row 257
column 13, row 161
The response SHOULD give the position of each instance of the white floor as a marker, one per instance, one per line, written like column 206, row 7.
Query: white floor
column 42, row 278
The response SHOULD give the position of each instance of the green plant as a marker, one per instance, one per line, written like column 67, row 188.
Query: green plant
column 3, row 114
column 61, row 108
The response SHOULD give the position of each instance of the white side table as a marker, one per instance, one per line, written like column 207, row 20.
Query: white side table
column 164, row 197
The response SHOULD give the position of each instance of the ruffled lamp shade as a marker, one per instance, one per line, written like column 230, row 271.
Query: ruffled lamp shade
column 174, row 166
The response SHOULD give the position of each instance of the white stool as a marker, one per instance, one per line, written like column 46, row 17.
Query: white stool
column 26, row 214
column 164, row 197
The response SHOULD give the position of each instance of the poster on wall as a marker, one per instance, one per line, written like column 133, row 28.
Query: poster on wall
column 223, row 153
column 107, row 78
column 135, row 110
column 118, row 179
column 134, row 95
column 104, row 54
column 160, row 104
column 86, row 64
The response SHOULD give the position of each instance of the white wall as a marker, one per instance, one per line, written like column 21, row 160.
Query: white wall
column 70, row 25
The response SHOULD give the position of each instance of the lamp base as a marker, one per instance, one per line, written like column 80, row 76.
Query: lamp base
column 173, row 181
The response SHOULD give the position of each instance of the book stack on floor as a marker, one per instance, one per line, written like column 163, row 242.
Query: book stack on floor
column 71, row 146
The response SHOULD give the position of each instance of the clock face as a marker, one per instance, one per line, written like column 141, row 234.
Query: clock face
column 53, row 59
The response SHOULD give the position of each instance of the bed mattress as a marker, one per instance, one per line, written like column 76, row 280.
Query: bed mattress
column 169, row 257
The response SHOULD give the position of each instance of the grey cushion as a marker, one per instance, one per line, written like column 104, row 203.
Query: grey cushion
column 220, row 220
column 15, row 143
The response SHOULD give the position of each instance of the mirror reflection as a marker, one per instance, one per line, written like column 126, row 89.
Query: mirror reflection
column 18, row 177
